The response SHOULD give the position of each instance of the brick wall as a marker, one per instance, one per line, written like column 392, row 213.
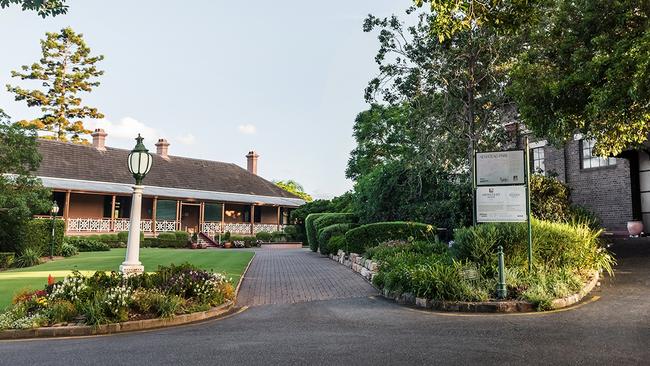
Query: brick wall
column 606, row 190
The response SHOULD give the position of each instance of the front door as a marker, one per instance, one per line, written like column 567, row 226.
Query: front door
column 190, row 217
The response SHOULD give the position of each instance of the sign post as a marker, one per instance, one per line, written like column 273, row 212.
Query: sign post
column 502, row 189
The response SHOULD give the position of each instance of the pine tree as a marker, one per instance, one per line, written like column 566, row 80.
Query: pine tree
column 65, row 69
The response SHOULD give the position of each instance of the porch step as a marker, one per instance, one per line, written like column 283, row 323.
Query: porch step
column 206, row 239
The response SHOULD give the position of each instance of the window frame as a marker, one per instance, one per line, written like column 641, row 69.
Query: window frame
column 603, row 163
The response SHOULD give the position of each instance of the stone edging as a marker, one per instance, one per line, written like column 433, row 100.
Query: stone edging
column 130, row 326
column 367, row 269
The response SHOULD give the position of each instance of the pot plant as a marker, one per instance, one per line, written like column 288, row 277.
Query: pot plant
column 635, row 228
column 226, row 240
column 195, row 241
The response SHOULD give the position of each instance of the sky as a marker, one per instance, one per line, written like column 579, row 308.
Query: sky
column 220, row 78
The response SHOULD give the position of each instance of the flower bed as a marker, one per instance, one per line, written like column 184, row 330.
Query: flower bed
column 105, row 298
column 567, row 260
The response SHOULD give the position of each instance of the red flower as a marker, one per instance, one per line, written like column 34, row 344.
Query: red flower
column 50, row 280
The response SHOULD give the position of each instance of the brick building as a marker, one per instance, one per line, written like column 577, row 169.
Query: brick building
column 615, row 189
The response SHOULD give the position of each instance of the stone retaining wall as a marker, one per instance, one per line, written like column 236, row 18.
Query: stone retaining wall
column 367, row 268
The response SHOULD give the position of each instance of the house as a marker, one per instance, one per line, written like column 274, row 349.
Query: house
column 93, row 187
column 616, row 189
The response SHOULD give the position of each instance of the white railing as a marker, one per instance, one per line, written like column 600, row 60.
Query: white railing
column 211, row 227
column 89, row 225
column 237, row 228
column 166, row 225
column 268, row 228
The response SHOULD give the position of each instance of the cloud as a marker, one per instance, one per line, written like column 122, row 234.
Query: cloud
column 247, row 129
column 125, row 130
column 187, row 139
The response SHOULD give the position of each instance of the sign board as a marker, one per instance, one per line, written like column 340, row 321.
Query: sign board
column 500, row 168
column 501, row 204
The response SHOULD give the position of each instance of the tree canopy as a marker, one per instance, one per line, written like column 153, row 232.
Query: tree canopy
column 44, row 8
column 295, row 188
column 587, row 70
column 65, row 70
column 21, row 194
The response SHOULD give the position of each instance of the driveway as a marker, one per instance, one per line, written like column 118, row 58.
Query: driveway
column 292, row 276
column 367, row 330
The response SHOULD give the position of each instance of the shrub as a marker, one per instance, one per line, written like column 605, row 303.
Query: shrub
column 367, row 236
column 60, row 311
column 264, row 236
column 549, row 198
column 123, row 237
column 325, row 234
column 227, row 236
column 291, row 232
column 68, row 250
column 6, row 259
column 330, row 219
column 393, row 247
column 311, row 231
column 278, row 236
column 87, row 244
column 335, row 243
column 38, row 236
column 574, row 247
column 28, row 258
column 182, row 236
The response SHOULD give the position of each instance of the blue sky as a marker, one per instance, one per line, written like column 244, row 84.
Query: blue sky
column 219, row 78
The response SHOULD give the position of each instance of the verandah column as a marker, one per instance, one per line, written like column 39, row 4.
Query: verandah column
column 178, row 215
column 223, row 217
column 66, row 211
column 201, row 216
column 153, row 215
column 113, row 213
column 252, row 219
column 278, row 221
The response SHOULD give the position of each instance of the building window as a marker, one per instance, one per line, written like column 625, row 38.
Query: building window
column 538, row 160
column 589, row 160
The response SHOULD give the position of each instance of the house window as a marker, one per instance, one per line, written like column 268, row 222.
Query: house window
column 212, row 212
column 166, row 210
column 589, row 160
column 537, row 155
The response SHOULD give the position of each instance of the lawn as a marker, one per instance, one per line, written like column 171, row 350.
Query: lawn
column 231, row 262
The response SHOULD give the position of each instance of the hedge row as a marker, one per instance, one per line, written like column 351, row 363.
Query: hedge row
column 371, row 235
column 37, row 236
column 327, row 233
column 312, row 232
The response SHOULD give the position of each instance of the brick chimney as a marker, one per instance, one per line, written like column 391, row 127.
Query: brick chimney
column 162, row 148
column 99, row 139
column 252, row 161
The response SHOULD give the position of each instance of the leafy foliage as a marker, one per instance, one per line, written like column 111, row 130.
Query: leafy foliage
column 66, row 69
column 400, row 191
column 328, row 232
column 29, row 257
column 44, row 8
column 21, row 194
column 367, row 236
column 587, row 70
column 36, row 235
column 87, row 244
column 312, row 231
column 294, row 188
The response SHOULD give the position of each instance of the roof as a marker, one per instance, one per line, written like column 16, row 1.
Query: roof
column 83, row 167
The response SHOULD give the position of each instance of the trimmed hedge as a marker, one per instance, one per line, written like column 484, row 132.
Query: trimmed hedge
column 264, row 236
column 312, row 232
column 371, row 235
column 37, row 235
column 330, row 219
column 325, row 234
column 87, row 244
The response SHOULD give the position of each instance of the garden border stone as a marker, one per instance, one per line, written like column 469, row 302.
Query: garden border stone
column 407, row 299
column 129, row 326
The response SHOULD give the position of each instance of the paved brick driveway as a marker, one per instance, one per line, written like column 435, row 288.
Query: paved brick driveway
column 292, row 276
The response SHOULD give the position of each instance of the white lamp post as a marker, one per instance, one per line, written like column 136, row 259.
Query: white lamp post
column 139, row 162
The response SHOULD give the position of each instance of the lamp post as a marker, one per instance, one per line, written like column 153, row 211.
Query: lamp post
column 53, row 212
column 139, row 162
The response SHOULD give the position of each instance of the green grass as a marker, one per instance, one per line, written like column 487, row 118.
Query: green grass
column 232, row 263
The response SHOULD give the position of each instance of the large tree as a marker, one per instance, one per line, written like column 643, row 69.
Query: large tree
column 21, row 194
column 65, row 70
column 587, row 70
column 44, row 8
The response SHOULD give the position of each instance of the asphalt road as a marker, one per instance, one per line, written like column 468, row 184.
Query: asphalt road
column 615, row 329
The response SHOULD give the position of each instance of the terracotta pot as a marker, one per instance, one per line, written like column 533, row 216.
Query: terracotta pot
column 635, row 228
column 195, row 245
column 227, row 244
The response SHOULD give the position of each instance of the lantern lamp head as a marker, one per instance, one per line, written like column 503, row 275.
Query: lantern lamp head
column 139, row 161
column 55, row 208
